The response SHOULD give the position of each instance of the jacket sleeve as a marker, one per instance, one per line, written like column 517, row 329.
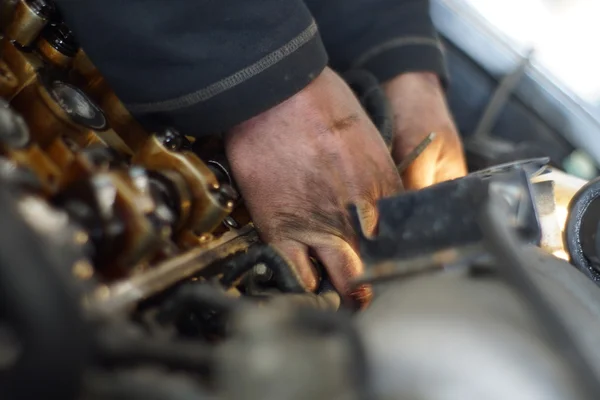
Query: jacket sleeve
column 200, row 66
column 385, row 37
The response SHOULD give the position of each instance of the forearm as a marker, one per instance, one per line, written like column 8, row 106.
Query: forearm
column 199, row 66
column 386, row 37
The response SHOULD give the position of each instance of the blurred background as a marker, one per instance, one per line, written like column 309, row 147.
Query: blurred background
column 524, row 79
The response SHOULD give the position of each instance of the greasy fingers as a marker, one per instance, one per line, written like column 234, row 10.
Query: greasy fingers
column 420, row 108
column 343, row 264
column 442, row 160
column 297, row 256
column 300, row 164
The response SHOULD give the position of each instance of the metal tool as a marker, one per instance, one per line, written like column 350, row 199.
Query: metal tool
column 413, row 155
column 122, row 295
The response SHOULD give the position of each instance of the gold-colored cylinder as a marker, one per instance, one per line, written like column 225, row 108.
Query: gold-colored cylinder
column 85, row 74
column 29, row 18
column 123, row 122
column 22, row 64
column 52, row 55
column 57, row 45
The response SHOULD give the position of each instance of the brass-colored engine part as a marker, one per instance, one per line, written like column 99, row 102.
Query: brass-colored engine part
column 23, row 64
column 124, row 295
column 123, row 122
column 131, row 133
column 60, row 153
column 34, row 158
column 126, row 238
column 48, row 119
column 114, row 141
column 85, row 74
column 73, row 165
column 26, row 24
column 141, row 241
column 206, row 211
column 8, row 81
column 52, row 56
column 184, row 195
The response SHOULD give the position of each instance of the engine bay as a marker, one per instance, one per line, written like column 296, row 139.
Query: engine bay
column 130, row 269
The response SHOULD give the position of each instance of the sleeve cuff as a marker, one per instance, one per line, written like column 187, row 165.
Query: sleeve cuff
column 404, row 54
column 216, row 113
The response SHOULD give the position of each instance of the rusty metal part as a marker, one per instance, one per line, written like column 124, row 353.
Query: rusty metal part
column 8, row 81
column 208, row 209
column 29, row 18
column 53, row 108
column 413, row 155
column 123, row 123
column 22, row 63
column 109, row 301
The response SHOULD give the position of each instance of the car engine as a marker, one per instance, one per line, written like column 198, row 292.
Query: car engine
column 130, row 269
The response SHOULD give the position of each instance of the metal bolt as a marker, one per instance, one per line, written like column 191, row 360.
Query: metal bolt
column 231, row 222
column 262, row 273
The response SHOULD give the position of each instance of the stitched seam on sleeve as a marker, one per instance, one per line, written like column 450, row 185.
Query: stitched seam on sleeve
column 231, row 81
column 394, row 43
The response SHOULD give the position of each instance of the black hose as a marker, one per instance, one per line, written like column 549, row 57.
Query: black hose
column 36, row 301
column 286, row 276
column 502, row 243
column 369, row 92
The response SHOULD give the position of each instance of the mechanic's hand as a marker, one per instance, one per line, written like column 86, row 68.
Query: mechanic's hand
column 300, row 164
column 420, row 108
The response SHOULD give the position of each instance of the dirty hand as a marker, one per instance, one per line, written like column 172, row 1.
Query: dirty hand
column 298, row 166
column 420, row 108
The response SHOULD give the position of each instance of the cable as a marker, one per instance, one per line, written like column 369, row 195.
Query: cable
column 286, row 276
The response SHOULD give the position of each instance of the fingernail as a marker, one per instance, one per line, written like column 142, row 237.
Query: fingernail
column 362, row 296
